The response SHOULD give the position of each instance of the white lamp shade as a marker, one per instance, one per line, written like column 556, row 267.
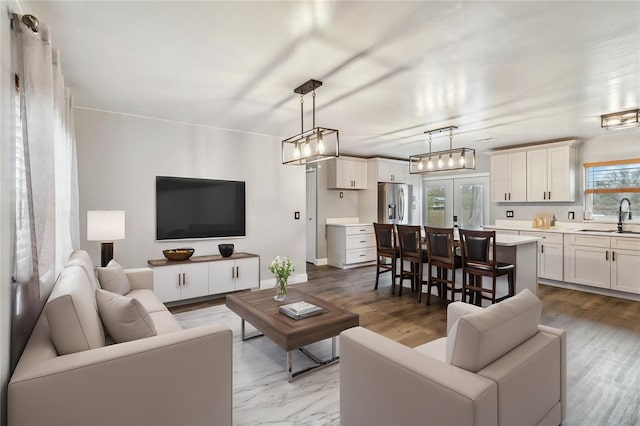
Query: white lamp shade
column 105, row 225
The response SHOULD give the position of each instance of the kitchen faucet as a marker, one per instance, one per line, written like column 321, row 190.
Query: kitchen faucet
column 620, row 213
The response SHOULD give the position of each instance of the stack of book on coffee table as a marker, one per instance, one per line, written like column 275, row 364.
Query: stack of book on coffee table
column 299, row 310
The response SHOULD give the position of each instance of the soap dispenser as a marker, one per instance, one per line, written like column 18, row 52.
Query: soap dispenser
column 553, row 221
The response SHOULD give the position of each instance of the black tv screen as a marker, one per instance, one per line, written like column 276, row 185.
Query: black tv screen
column 199, row 208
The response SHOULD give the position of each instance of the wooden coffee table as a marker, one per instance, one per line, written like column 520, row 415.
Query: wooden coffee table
column 261, row 311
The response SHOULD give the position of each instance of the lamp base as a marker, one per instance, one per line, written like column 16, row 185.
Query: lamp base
column 107, row 253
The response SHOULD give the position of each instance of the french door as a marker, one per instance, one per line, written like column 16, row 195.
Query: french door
column 461, row 201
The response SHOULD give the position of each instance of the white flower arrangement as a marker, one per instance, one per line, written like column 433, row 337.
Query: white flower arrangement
column 282, row 267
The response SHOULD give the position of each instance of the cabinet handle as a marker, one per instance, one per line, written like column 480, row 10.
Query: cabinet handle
column 549, row 195
column 544, row 195
column 613, row 256
column 237, row 272
column 179, row 280
column 505, row 196
column 233, row 272
column 606, row 255
column 542, row 248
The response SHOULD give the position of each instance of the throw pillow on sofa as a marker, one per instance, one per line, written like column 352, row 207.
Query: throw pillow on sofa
column 124, row 318
column 112, row 278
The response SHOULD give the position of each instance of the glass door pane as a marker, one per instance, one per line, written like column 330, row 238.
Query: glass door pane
column 471, row 204
column 438, row 203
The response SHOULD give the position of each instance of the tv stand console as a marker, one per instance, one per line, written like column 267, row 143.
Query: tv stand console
column 204, row 276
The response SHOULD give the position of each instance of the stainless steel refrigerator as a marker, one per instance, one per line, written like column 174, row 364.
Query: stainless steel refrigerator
column 394, row 203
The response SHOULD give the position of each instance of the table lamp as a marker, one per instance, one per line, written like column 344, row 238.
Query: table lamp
column 105, row 226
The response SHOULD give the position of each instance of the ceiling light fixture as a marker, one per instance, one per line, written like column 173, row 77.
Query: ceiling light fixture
column 466, row 157
column 313, row 145
column 620, row 119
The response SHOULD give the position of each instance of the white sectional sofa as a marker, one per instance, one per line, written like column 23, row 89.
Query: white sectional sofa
column 497, row 366
column 177, row 377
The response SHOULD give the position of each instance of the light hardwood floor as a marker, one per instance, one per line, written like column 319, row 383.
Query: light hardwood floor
column 603, row 335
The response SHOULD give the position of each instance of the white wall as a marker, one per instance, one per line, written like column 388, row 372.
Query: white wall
column 611, row 146
column 119, row 157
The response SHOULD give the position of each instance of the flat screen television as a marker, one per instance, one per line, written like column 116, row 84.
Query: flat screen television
column 188, row 208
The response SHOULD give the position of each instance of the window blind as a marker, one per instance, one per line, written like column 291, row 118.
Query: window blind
column 607, row 177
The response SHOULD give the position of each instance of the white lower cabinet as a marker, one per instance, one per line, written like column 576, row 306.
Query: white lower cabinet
column 232, row 275
column 349, row 246
column 204, row 276
column 176, row 282
column 625, row 264
column 550, row 254
column 606, row 262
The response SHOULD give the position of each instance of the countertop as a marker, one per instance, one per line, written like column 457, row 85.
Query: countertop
column 611, row 232
column 349, row 224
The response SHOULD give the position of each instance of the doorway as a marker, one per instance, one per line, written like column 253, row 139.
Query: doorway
column 311, row 211
column 456, row 201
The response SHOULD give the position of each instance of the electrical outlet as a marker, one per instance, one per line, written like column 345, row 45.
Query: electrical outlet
column 509, row 213
column 296, row 215
column 341, row 194
column 572, row 215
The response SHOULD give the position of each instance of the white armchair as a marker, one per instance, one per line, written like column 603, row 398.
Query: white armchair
column 497, row 366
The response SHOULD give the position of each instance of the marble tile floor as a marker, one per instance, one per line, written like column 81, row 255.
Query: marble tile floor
column 261, row 393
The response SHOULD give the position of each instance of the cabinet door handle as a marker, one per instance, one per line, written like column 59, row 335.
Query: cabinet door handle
column 505, row 196
column 544, row 195
column 184, row 278
column 613, row 256
column 179, row 280
column 606, row 255
column 237, row 272
column 542, row 248
column 233, row 272
column 549, row 194
column 509, row 196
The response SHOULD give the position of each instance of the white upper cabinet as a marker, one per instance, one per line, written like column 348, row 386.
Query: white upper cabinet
column 551, row 174
column 392, row 171
column 509, row 177
column 347, row 173
column 540, row 173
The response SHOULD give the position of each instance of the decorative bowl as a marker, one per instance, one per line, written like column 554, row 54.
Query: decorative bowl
column 178, row 254
column 226, row 250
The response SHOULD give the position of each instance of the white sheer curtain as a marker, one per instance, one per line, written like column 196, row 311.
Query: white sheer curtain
column 46, row 184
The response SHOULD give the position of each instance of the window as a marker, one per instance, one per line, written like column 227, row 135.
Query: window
column 608, row 182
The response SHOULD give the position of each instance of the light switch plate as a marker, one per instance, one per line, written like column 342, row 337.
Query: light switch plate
column 572, row 215
column 296, row 215
column 509, row 213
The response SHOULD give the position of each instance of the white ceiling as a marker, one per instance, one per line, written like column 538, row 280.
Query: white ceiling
column 514, row 71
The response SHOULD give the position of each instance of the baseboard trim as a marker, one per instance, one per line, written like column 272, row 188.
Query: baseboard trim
column 589, row 289
column 321, row 262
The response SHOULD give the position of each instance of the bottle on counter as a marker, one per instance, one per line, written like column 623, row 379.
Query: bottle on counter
column 553, row 221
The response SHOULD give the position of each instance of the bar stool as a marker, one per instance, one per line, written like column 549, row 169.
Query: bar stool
column 386, row 248
column 442, row 256
column 411, row 251
column 477, row 263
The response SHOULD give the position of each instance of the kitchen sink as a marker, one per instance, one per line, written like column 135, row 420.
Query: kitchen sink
column 608, row 231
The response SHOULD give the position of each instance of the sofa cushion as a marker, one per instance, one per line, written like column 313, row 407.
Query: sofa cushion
column 71, row 313
column 82, row 258
column 124, row 318
column 148, row 299
column 112, row 278
column 165, row 322
column 478, row 339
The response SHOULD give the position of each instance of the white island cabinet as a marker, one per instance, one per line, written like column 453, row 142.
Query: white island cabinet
column 202, row 276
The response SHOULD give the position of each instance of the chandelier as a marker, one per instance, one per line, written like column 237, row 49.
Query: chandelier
column 313, row 145
column 620, row 119
column 439, row 161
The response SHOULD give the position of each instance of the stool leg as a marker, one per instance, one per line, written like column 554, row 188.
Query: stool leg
column 377, row 271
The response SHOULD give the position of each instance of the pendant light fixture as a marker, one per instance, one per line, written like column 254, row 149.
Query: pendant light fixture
column 451, row 159
column 313, row 145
